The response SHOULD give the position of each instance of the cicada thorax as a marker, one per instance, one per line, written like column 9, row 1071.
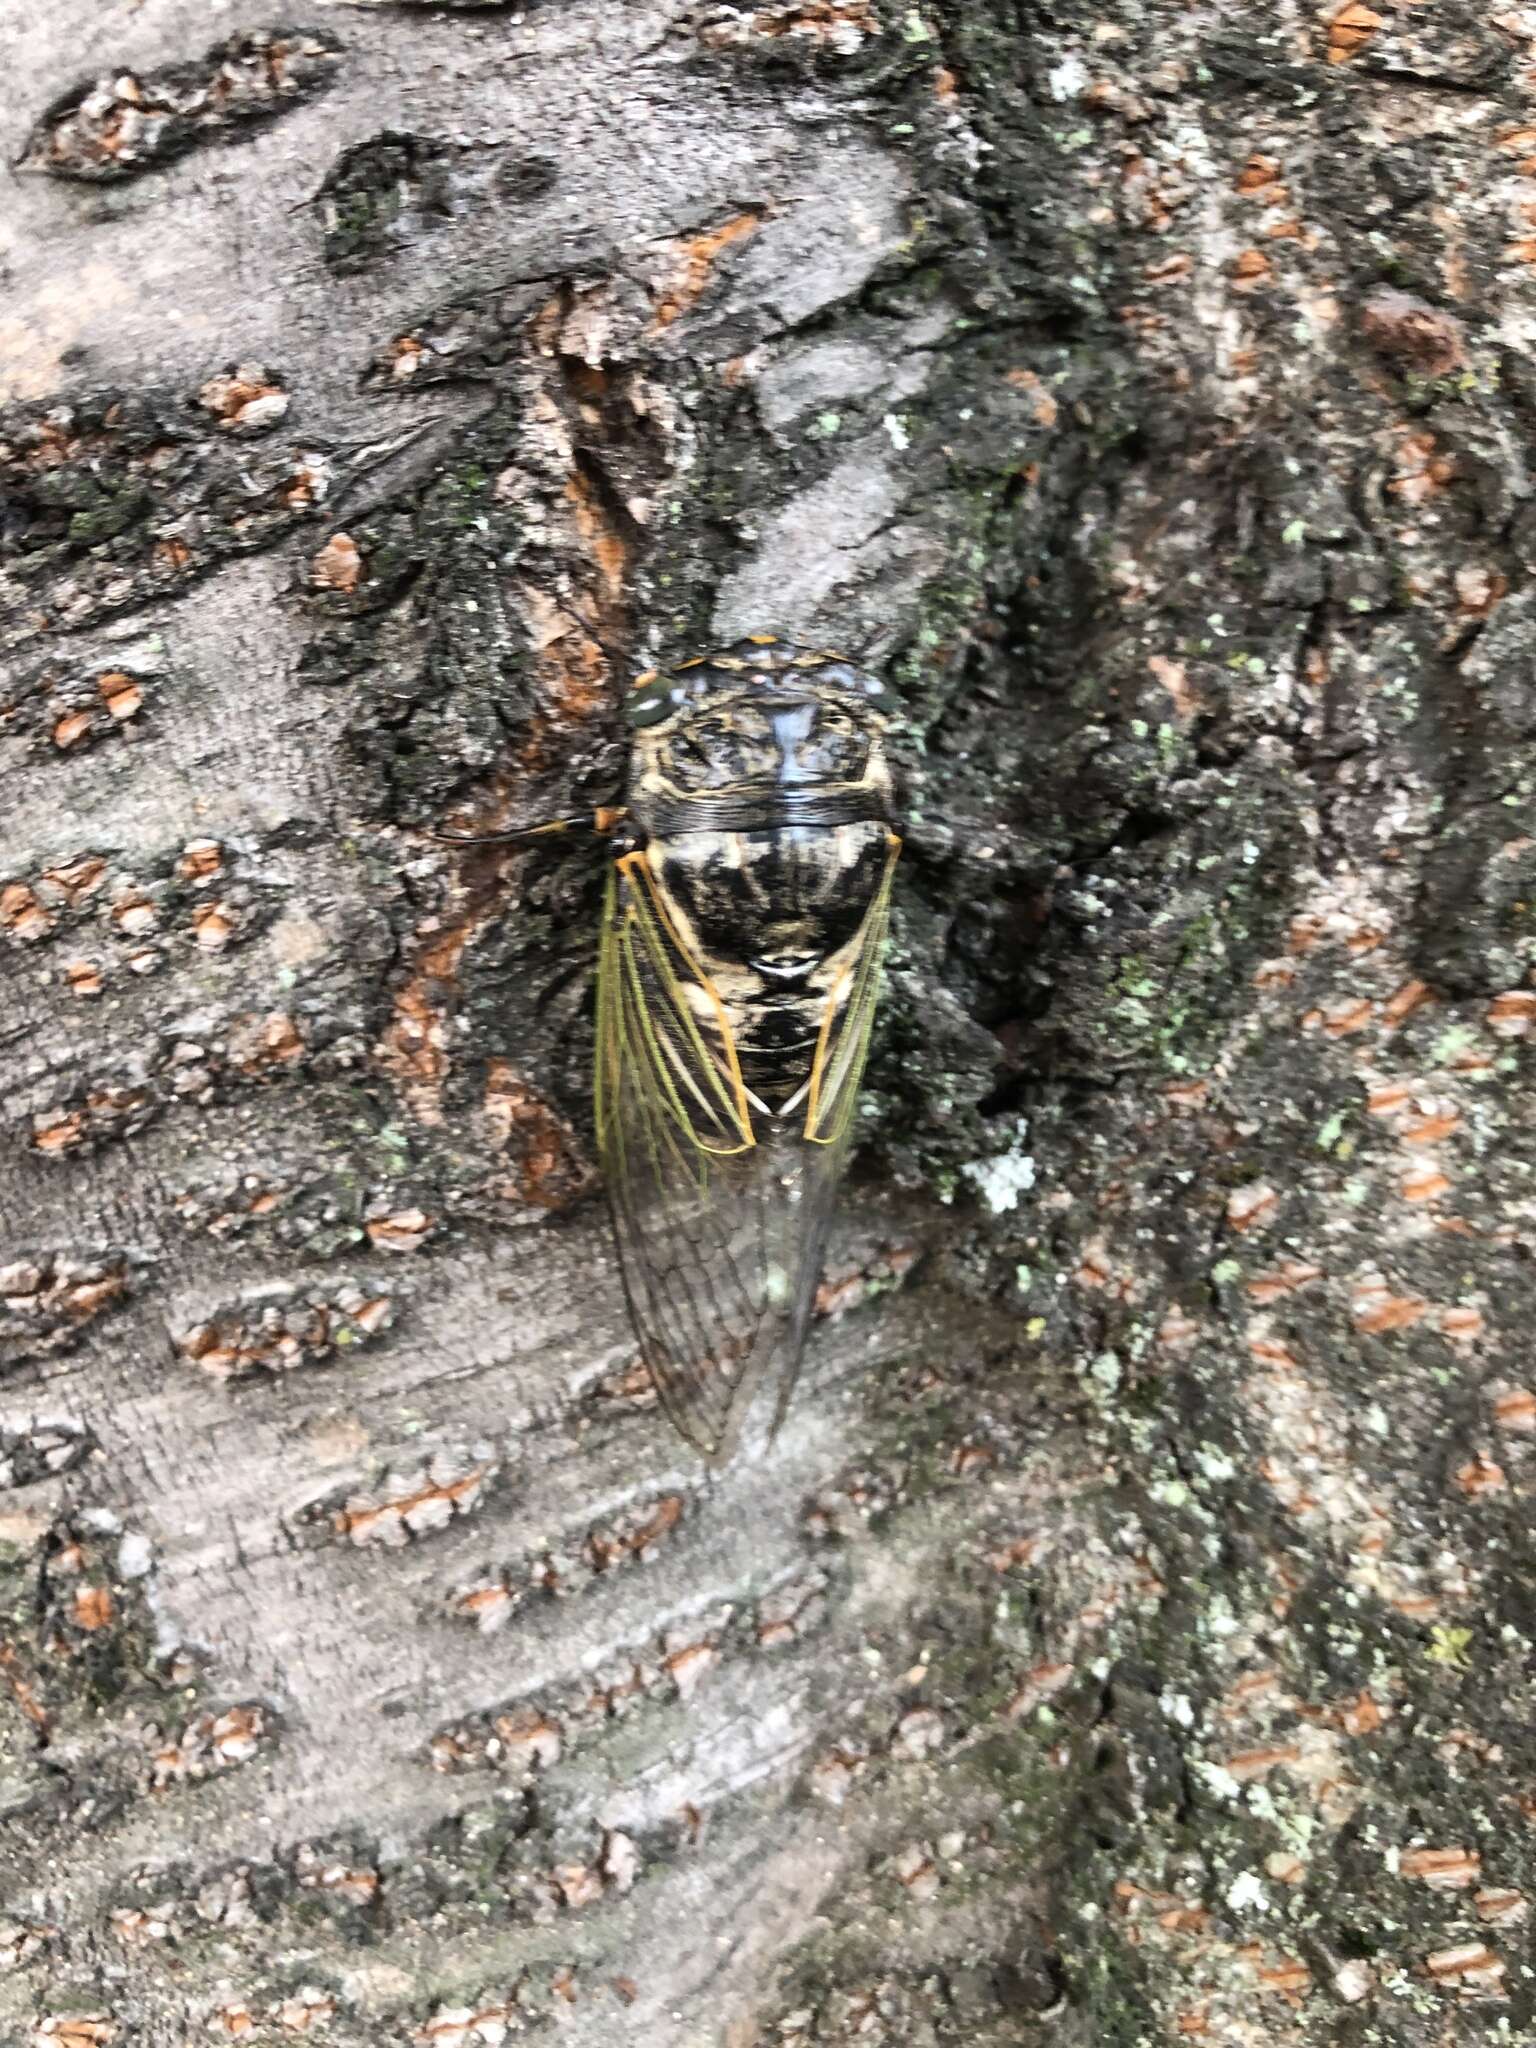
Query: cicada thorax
column 773, row 918
column 766, row 800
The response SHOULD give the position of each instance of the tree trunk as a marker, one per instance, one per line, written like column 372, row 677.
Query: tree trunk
column 1129, row 1639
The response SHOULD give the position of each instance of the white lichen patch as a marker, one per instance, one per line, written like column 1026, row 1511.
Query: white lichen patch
column 1002, row 1179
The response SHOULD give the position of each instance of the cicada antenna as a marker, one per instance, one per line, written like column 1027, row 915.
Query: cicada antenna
column 599, row 823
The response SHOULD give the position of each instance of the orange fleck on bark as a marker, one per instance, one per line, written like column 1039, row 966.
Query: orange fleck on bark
column 1169, row 269
column 1361, row 1715
column 687, row 1666
column 1042, row 404
column 1516, row 1410
column 93, row 1607
column 817, row 20
column 1480, row 1475
column 62, row 1135
column 1276, row 974
column 550, row 1170
column 120, row 693
column 1177, row 1331
column 1258, row 173
column 968, row 1458
column 1093, row 1268
column 1249, row 1764
column 1039, row 1683
column 697, row 256
column 77, row 878
column 1430, row 1130
column 600, row 539
column 1461, row 1325
column 1500, row 1907
column 364, row 1524
column 338, row 565
column 1413, row 333
column 1270, row 1351
column 405, row 357
column 26, row 1698
column 1376, row 1308
column 1350, row 30
column 200, row 858
column 402, row 1232
column 1417, row 1606
column 74, row 2030
column 213, row 926
column 1247, row 1207
column 1423, row 470
column 1342, row 1018
column 945, row 85
column 1186, row 1094
column 280, row 1039
column 22, row 914
column 91, row 1296
column 1403, row 1002
column 1289, row 1977
column 1283, row 1279
column 1424, row 1184
column 412, row 1051
column 1388, row 1100
column 1251, row 270
column 1174, row 678
column 1513, row 1014
column 227, row 397
column 1478, row 588
column 71, row 729
column 1471, row 1967
column 1253, row 1685
column 134, row 915
column 1445, row 1870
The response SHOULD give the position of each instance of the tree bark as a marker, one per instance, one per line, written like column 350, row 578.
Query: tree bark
column 1129, row 1638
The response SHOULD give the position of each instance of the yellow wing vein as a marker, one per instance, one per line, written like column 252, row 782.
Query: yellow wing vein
column 838, row 1063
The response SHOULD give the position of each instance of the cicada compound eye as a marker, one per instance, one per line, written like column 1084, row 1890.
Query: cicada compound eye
column 651, row 703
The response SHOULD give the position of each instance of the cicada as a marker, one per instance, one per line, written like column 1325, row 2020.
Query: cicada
column 738, row 973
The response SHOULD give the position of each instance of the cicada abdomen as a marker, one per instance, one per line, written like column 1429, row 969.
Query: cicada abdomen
column 742, row 933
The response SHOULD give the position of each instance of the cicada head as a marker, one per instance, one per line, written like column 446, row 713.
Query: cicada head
column 762, row 715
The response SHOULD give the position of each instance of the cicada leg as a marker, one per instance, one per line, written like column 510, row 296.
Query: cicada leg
column 600, row 822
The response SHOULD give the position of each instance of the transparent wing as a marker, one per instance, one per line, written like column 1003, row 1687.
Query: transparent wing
column 843, row 1045
column 832, row 1100
column 720, row 1215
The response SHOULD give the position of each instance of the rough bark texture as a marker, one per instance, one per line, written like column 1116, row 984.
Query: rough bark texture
column 1130, row 1639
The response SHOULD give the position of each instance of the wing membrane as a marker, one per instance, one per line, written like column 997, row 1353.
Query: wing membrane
column 720, row 1210
column 843, row 1045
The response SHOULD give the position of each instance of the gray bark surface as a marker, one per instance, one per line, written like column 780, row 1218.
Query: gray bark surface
column 1129, row 1638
